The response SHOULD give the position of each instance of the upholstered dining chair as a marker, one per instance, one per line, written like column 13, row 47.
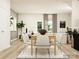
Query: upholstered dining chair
column 25, row 38
column 59, row 38
column 42, row 41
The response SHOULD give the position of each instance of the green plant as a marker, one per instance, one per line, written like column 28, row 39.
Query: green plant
column 20, row 25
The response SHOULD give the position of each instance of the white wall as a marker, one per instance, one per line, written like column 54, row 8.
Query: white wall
column 13, row 13
column 63, row 17
column 31, row 20
column 4, row 24
column 75, row 14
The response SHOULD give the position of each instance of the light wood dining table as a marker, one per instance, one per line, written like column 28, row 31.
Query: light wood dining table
column 52, row 39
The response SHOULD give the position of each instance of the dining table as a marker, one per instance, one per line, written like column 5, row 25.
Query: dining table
column 52, row 39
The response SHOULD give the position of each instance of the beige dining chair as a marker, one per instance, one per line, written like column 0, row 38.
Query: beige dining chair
column 59, row 39
column 25, row 38
column 42, row 41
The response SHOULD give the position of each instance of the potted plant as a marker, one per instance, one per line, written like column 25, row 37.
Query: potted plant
column 20, row 25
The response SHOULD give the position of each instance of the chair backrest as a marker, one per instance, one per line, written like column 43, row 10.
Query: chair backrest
column 42, row 40
column 59, row 37
column 25, row 37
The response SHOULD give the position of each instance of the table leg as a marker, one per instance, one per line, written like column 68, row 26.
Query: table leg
column 31, row 46
column 55, row 46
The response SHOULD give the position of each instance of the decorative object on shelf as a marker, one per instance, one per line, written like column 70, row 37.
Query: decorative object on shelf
column 62, row 24
column 20, row 25
column 11, row 21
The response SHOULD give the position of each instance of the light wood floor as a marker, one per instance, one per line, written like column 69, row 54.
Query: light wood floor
column 13, row 51
column 17, row 46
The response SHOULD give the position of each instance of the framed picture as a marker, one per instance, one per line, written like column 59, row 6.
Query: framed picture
column 39, row 25
column 62, row 24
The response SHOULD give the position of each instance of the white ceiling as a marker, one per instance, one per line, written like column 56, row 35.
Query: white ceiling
column 41, row 6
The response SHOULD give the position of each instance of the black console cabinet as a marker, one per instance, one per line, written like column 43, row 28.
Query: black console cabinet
column 76, row 40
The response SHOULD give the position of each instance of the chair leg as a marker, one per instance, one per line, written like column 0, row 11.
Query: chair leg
column 49, row 52
column 36, row 52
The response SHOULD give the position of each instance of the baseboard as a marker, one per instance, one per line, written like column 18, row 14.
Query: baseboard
column 5, row 48
column 14, row 39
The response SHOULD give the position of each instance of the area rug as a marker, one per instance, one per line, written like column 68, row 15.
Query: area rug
column 42, row 54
